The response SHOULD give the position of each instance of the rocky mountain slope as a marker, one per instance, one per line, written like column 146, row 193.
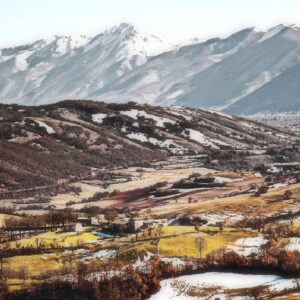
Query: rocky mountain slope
column 40, row 145
column 246, row 73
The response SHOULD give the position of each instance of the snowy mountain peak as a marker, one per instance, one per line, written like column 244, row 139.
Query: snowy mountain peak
column 125, row 64
column 140, row 42
column 148, row 44
column 64, row 44
column 272, row 32
column 122, row 28
column 20, row 58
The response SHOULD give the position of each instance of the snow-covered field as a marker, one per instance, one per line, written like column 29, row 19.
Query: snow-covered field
column 248, row 246
column 293, row 245
column 105, row 254
column 213, row 219
column 178, row 288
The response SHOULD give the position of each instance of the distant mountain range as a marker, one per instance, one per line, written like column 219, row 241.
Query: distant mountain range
column 247, row 73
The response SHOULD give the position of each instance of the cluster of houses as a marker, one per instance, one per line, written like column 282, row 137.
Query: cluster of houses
column 85, row 222
column 137, row 224
column 122, row 224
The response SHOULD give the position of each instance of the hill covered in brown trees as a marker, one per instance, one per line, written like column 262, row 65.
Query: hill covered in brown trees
column 42, row 145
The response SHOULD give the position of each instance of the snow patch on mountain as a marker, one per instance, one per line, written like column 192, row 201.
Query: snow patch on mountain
column 175, row 94
column 146, row 79
column 135, row 113
column 221, row 114
column 179, row 112
column 21, row 61
column 272, row 32
column 66, row 44
column 169, row 144
column 98, row 118
column 202, row 139
column 48, row 128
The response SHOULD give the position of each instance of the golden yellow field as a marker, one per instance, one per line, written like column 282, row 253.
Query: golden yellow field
column 294, row 296
column 18, row 284
column 184, row 245
column 55, row 239
column 36, row 265
column 87, row 190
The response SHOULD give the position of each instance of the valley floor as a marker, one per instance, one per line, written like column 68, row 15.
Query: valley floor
column 176, row 216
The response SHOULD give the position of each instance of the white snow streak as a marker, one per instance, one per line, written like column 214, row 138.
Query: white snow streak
column 98, row 118
column 135, row 113
column 49, row 129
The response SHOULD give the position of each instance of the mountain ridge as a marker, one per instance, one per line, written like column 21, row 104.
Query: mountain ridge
column 42, row 144
column 123, row 64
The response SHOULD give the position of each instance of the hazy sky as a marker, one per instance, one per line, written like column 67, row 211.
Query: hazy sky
column 26, row 20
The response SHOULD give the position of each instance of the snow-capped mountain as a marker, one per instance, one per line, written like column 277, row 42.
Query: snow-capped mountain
column 21, row 58
column 221, row 74
column 246, row 73
column 166, row 78
column 59, row 68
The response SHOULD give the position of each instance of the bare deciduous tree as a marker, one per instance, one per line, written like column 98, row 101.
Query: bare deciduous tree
column 200, row 244
column 23, row 274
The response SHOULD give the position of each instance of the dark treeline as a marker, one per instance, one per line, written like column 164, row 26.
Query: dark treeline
column 51, row 219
